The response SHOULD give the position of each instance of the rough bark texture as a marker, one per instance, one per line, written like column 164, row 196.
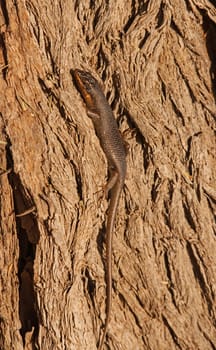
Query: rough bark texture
column 157, row 61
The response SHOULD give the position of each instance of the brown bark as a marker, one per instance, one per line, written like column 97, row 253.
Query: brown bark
column 157, row 61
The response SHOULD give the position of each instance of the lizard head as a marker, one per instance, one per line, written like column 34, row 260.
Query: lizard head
column 86, row 84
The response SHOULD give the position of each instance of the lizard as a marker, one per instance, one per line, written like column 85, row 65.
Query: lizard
column 114, row 149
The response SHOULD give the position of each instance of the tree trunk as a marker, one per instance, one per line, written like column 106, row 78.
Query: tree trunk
column 156, row 59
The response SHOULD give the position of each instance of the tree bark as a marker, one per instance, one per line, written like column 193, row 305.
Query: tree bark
column 156, row 59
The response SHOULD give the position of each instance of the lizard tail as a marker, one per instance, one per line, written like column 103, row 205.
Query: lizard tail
column 114, row 200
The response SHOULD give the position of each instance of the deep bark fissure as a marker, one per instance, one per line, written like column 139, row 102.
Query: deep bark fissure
column 172, row 332
column 28, row 237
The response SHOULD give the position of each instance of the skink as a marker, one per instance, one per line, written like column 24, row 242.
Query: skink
column 113, row 146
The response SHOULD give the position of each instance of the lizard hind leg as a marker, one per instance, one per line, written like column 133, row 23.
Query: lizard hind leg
column 113, row 178
column 105, row 188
